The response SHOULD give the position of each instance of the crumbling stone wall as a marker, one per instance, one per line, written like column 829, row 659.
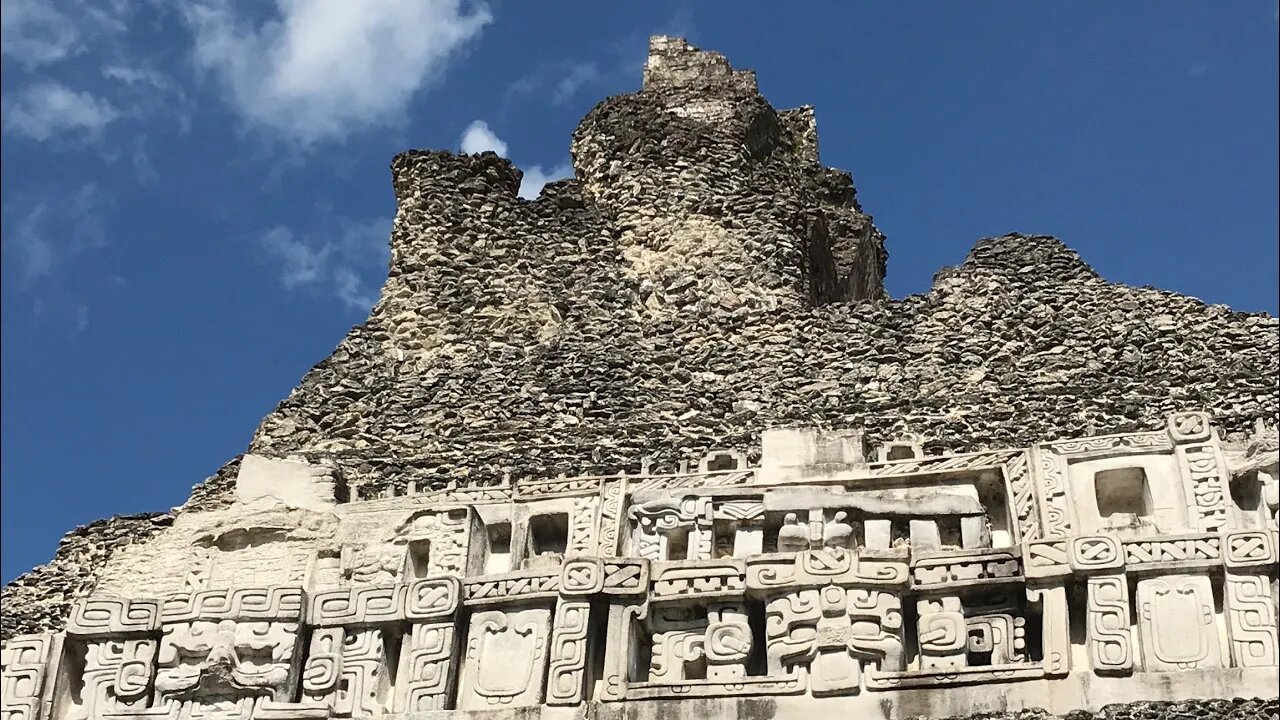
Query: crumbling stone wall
column 701, row 279
column 41, row 599
column 1232, row 709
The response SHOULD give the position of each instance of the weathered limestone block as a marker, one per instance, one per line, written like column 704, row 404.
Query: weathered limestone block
column 294, row 483
column 506, row 658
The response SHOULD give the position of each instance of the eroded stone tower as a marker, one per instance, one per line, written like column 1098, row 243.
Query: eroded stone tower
column 657, row 443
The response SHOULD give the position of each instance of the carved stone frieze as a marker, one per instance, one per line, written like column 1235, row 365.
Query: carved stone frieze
column 815, row 568
column 953, row 570
column 695, row 607
column 98, row 616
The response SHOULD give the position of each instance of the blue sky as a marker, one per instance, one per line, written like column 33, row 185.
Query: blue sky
column 196, row 196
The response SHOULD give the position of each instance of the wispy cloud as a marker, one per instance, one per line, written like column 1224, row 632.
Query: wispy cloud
column 478, row 138
column 349, row 266
column 319, row 71
column 1197, row 70
column 49, row 109
column 50, row 232
column 80, row 72
column 41, row 32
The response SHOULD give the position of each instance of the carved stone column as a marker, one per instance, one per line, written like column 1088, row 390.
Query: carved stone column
column 25, row 672
column 1107, row 629
column 568, row 664
column 429, row 658
column 430, row 650
column 1250, row 558
column 1204, row 471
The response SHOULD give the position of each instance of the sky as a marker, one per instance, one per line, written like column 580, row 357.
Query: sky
column 197, row 197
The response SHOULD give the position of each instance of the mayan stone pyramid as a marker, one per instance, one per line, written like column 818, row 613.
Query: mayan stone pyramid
column 657, row 444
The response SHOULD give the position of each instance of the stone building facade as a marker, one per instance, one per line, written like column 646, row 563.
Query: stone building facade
column 656, row 442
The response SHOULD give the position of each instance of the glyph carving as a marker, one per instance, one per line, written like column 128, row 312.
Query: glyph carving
column 215, row 659
column 834, row 633
column 432, row 598
column 117, row 675
column 986, row 567
column 942, row 633
column 1046, row 558
column 1176, row 624
column 1054, row 510
column 1018, row 472
column 357, row 606
column 363, row 688
column 1250, row 549
column 505, row 659
column 1055, row 633
column 447, row 532
column 583, row 523
column 1206, row 477
column 323, row 670
column 1001, row 639
column 612, row 498
column 1187, row 427
column 662, row 525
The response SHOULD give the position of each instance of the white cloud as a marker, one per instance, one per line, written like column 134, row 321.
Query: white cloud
column 350, row 266
column 478, row 138
column 535, row 178
column 321, row 70
column 1197, row 69
column 49, row 109
column 51, row 232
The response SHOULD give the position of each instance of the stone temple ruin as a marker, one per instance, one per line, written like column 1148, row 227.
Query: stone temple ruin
column 658, row 443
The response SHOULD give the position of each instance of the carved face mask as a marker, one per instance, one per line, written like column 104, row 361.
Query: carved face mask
column 225, row 658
